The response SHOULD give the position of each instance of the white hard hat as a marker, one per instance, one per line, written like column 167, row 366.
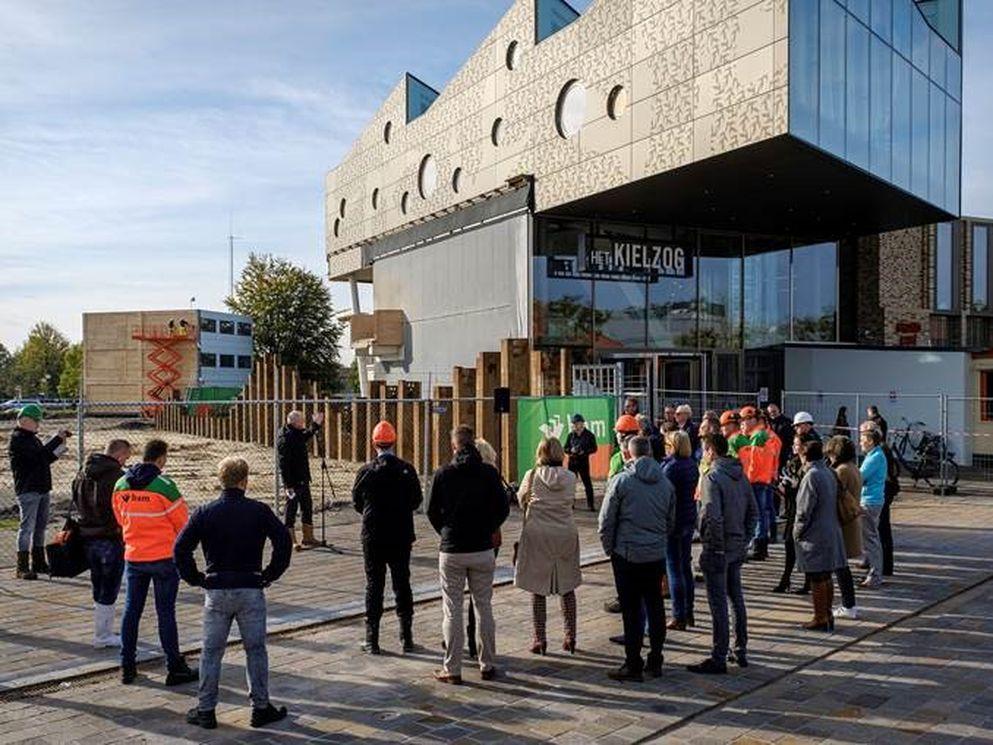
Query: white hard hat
column 803, row 417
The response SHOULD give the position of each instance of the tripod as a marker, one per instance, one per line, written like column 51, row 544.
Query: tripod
column 327, row 483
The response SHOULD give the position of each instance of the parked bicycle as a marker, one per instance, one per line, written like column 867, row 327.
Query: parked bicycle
column 924, row 455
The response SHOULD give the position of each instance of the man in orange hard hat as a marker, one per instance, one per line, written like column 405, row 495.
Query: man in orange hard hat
column 386, row 493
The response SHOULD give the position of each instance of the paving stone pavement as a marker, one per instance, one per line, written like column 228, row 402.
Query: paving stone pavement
column 890, row 675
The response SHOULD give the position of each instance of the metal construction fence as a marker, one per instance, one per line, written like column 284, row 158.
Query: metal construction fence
column 942, row 441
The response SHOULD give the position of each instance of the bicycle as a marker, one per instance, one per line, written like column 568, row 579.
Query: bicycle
column 926, row 458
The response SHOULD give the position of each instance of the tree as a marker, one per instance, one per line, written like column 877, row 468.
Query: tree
column 72, row 371
column 292, row 315
column 6, row 373
column 38, row 363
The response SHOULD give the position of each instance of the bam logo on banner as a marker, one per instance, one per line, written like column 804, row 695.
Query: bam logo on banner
column 550, row 417
column 638, row 258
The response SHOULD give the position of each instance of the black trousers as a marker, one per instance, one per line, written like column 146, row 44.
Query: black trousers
column 302, row 501
column 639, row 585
column 581, row 467
column 886, row 537
column 377, row 559
column 846, row 583
column 789, row 548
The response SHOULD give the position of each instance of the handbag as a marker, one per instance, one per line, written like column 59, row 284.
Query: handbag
column 524, row 519
column 849, row 507
column 65, row 554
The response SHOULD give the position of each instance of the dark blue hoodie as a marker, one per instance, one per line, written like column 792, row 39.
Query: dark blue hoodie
column 684, row 475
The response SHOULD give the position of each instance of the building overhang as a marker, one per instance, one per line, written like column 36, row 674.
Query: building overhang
column 779, row 186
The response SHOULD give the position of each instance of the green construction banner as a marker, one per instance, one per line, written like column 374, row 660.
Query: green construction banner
column 550, row 417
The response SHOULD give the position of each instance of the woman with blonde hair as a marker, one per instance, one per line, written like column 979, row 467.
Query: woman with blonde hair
column 681, row 469
column 547, row 557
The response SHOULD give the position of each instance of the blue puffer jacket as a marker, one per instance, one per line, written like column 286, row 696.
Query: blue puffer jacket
column 638, row 513
column 684, row 475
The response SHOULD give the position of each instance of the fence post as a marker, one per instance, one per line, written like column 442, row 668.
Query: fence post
column 857, row 423
column 942, row 477
column 428, row 408
column 81, row 441
column 275, row 456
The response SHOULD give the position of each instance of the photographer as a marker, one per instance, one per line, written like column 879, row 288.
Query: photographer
column 579, row 446
column 294, row 468
column 31, row 463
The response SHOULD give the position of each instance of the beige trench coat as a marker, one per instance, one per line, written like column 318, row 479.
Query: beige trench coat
column 548, row 554
column 851, row 481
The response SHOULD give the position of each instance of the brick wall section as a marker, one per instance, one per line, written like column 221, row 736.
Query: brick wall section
column 904, row 273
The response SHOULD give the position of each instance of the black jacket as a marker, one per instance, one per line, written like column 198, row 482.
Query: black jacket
column 579, row 447
column 692, row 430
column 294, row 460
column 783, row 428
column 31, row 461
column 386, row 493
column 233, row 530
column 93, row 497
column 467, row 503
column 884, row 427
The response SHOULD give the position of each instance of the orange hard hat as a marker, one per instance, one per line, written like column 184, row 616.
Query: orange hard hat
column 749, row 412
column 384, row 434
column 627, row 424
column 730, row 417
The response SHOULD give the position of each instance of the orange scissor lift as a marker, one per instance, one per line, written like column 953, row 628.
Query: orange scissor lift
column 165, row 358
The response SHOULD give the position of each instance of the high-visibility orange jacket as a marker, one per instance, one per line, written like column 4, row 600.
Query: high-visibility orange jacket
column 760, row 456
column 150, row 511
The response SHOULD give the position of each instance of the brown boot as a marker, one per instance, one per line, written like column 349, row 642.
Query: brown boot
column 308, row 536
column 23, row 569
column 822, row 608
column 293, row 539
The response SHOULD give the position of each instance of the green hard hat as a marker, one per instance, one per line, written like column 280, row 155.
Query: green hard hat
column 31, row 411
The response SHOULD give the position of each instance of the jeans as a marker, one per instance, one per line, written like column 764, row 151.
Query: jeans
column 723, row 583
column 302, row 500
column 581, row 467
column 639, row 587
column 34, row 517
column 377, row 559
column 847, row 586
column 455, row 569
column 106, row 560
column 220, row 608
column 679, row 567
column 871, row 545
column 767, row 515
column 139, row 575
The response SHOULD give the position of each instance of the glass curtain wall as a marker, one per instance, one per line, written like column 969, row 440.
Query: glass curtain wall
column 876, row 85
column 741, row 292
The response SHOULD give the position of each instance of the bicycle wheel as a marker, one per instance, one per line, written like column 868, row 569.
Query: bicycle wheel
column 951, row 471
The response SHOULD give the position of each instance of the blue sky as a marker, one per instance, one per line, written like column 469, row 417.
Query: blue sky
column 132, row 130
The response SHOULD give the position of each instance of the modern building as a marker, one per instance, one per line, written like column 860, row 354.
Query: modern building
column 131, row 356
column 712, row 193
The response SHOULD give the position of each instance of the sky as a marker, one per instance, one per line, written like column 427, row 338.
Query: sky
column 134, row 132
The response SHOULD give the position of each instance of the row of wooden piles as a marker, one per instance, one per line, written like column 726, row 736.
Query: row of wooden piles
column 423, row 419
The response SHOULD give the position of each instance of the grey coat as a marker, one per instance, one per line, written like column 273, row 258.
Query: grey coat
column 820, row 546
column 638, row 513
column 728, row 514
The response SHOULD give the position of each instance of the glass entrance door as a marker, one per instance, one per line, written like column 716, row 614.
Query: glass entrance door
column 678, row 372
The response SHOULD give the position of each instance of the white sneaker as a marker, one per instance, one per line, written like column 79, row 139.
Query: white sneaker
column 103, row 627
column 104, row 642
column 843, row 612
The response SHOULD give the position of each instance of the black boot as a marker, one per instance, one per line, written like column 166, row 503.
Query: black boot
column 407, row 634
column 371, row 643
column 38, row 563
column 181, row 674
column 23, row 569
column 268, row 715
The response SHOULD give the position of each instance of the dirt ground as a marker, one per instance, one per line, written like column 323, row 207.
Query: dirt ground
column 192, row 464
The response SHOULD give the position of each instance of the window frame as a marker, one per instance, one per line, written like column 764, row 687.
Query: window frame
column 221, row 359
column 212, row 355
column 208, row 325
column 226, row 327
column 245, row 328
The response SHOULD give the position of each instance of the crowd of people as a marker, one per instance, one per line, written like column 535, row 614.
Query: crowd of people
column 726, row 482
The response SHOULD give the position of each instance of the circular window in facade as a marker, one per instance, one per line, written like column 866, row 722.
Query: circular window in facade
column 513, row 55
column 337, row 226
column 387, row 131
column 341, row 208
column 570, row 111
column 457, row 180
column 375, row 199
column 496, row 133
column 427, row 177
column 617, row 102
column 404, row 202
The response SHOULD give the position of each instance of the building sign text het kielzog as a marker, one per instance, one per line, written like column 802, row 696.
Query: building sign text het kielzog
column 625, row 259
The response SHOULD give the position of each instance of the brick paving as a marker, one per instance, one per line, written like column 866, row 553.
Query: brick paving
column 891, row 675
